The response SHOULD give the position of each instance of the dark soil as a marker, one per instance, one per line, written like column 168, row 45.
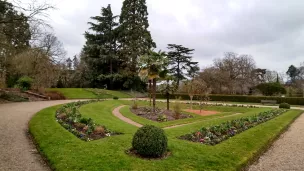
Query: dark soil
column 147, row 112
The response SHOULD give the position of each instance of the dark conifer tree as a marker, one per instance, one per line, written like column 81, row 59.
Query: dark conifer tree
column 135, row 39
column 180, row 61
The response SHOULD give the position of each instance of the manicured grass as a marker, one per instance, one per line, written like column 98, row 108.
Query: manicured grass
column 75, row 93
column 105, row 94
column 66, row 152
column 81, row 93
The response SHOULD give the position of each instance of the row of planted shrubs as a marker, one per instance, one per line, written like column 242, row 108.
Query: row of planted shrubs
column 240, row 98
column 218, row 133
column 84, row 128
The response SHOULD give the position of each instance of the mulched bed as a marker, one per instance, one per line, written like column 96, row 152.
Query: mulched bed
column 161, row 115
column 203, row 112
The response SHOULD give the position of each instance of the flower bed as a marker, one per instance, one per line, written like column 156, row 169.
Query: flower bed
column 160, row 115
column 225, row 105
column 218, row 133
column 70, row 118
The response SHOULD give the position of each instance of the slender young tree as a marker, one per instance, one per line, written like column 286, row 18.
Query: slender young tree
column 168, row 88
column 135, row 39
column 180, row 60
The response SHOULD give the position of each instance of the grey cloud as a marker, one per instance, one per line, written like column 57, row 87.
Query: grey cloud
column 271, row 31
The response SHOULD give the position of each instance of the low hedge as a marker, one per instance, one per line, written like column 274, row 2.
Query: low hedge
column 240, row 98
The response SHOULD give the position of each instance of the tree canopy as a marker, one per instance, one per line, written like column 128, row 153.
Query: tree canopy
column 180, row 61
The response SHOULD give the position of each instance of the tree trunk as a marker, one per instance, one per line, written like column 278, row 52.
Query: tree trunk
column 168, row 97
column 201, row 99
column 191, row 97
column 154, row 94
column 111, row 71
column 150, row 92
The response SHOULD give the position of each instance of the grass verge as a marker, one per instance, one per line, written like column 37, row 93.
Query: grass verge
column 81, row 93
column 75, row 93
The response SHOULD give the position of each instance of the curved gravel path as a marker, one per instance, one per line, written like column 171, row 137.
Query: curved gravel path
column 125, row 119
column 17, row 152
column 287, row 153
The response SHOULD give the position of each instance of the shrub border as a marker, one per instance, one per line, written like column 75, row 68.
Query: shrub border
column 240, row 98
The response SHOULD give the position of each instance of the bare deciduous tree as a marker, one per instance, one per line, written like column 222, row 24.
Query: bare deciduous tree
column 201, row 90
column 51, row 46
column 239, row 69
column 35, row 64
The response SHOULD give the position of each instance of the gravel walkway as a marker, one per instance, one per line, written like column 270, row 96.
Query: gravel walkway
column 17, row 151
column 121, row 117
column 287, row 153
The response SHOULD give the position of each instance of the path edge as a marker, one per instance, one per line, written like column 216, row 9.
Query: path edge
column 245, row 166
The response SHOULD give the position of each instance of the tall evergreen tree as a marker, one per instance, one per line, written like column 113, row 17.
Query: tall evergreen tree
column 293, row 72
column 180, row 60
column 101, row 45
column 135, row 39
column 14, row 37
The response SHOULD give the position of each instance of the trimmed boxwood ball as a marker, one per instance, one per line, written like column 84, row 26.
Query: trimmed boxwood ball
column 150, row 141
column 284, row 106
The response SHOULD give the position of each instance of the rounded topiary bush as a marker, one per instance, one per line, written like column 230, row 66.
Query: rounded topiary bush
column 284, row 106
column 150, row 141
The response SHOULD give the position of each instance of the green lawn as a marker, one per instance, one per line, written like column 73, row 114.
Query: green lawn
column 75, row 93
column 66, row 152
column 104, row 94
column 225, row 112
column 81, row 93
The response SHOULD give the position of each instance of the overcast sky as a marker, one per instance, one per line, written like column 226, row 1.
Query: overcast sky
column 272, row 31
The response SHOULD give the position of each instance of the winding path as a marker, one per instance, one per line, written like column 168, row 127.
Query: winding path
column 17, row 152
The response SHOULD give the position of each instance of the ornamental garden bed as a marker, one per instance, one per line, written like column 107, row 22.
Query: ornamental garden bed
column 218, row 133
column 64, row 151
column 70, row 118
column 202, row 112
column 160, row 115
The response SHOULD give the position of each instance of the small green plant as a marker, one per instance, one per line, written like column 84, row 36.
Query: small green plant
column 84, row 121
column 135, row 105
column 91, row 126
column 284, row 106
column 177, row 110
column 162, row 118
column 150, row 141
column 25, row 83
column 115, row 98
